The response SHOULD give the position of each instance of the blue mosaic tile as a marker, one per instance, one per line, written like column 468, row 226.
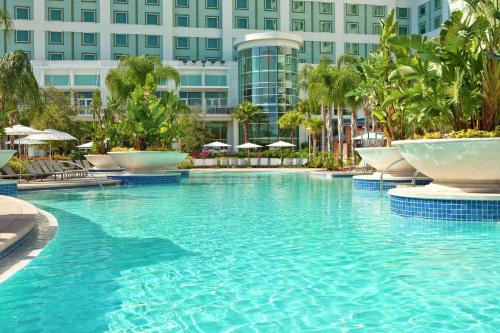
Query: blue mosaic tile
column 8, row 189
column 448, row 210
column 184, row 173
column 147, row 179
column 374, row 184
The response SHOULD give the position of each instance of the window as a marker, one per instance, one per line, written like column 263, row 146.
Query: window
column 121, row 17
column 121, row 1
column 152, row 41
column 377, row 28
column 325, row 8
column 182, row 3
column 298, row 6
column 352, row 9
column 270, row 24
column 241, row 22
column 88, row 16
column 212, row 44
column 421, row 10
column 379, row 11
column 88, row 38
column 22, row 36
column 325, row 26
column 437, row 4
column 437, row 22
column 422, row 28
column 89, row 56
column 119, row 56
column 352, row 48
column 403, row 30
column 325, row 47
column 270, row 5
column 182, row 21
column 22, row 13
column 56, row 37
column 56, row 56
column 212, row 22
column 152, row 2
column 302, row 47
column 298, row 25
column 403, row 13
column 121, row 40
column 55, row 14
column 152, row 19
column 241, row 4
column 182, row 43
column 212, row 4
column 182, row 58
column 352, row 28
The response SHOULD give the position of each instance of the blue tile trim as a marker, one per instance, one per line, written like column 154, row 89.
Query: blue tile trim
column 449, row 210
column 374, row 184
column 184, row 173
column 147, row 179
column 8, row 189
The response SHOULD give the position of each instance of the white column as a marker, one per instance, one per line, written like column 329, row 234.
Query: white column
column 236, row 133
column 284, row 15
column 39, row 31
column 339, row 27
column 227, row 30
column 168, row 35
column 105, row 34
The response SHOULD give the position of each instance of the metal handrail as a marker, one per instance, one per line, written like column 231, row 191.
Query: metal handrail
column 61, row 163
column 414, row 178
column 384, row 171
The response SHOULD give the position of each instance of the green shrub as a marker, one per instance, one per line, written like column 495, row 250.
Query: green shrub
column 122, row 149
column 186, row 164
column 16, row 164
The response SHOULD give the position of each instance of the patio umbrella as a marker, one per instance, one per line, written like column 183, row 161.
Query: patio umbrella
column 52, row 135
column 20, row 130
column 281, row 144
column 248, row 146
column 87, row 145
column 29, row 142
column 216, row 144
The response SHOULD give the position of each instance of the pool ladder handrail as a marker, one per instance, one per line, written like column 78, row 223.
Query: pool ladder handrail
column 61, row 163
column 385, row 170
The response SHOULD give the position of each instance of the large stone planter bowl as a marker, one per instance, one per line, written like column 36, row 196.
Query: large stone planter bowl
column 5, row 156
column 147, row 161
column 381, row 157
column 101, row 161
column 472, row 165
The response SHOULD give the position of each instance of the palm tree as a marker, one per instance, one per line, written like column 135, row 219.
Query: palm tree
column 18, row 87
column 314, row 127
column 246, row 112
column 132, row 72
column 291, row 120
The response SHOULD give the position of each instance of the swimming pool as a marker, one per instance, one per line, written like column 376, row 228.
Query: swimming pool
column 251, row 253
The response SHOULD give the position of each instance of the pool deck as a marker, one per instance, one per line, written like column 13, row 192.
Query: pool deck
column 64, row 184
column 24, row 232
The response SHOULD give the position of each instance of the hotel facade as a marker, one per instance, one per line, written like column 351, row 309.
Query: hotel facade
column 226, row 51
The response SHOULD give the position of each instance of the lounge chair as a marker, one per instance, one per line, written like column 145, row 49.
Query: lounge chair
column 224, row 162
column 254, row 162
column 198, row 163
column 297, row 162
column 79, row 163
column 242, row 162
column 274, row 162
column 210, row 163
column 49, row 168
column 86, row 164
column 288, row 162
column 264, row 162
column 233, row 162
column 67, row 172
column 35, row 170
column 11, row 174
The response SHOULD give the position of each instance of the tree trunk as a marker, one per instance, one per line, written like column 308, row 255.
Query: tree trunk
column 315, row 144
column 329, row 131
column 388, row 128
column 292, row 135
column 366, row 109
column 354, row 125
column 245, row 132
column 12, row 122
column 323, row 132
column 340, row 116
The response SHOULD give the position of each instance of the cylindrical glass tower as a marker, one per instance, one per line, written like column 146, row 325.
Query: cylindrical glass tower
column 267, row 69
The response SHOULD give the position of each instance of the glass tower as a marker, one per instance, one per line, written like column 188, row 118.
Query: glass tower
column 267, row 76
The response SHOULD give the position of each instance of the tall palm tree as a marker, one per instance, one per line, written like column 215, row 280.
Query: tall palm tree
column 314, row 126
column 291, row 120
column 132, row 72
column 18, row 86
column 246, row 112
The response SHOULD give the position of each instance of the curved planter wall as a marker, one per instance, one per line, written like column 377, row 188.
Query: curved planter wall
column 148, row 161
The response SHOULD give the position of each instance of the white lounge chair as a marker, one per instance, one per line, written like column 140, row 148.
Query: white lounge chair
column 288, row 162
column 254, row 162
column 210, row 163
column 274, row 162
column 198, row 163
column 233, row 163
column 264, row 162
column 242, row 162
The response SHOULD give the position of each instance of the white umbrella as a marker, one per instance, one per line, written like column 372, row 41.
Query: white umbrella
column 281, row 144
column 217, row 144
column 248, row 145
column 87, row 145
column 21, row 130
column 52, row 135
column 29, row 142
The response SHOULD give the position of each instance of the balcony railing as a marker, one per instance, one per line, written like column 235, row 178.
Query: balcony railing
column 209, row 105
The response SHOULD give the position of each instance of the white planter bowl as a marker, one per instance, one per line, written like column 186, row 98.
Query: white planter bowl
column 101, row 161
column 5, row 156
column 472, row 165
column 381, row 157
column 147, row 161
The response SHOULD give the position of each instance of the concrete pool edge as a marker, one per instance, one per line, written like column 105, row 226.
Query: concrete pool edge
column 43, row 233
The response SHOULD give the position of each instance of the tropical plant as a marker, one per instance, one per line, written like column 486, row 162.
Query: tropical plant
column 103, row 124
column 291, row 120
column 174, row 124
column 18, row 88
column 133, row 71
column 246, row 112
column 314, row 126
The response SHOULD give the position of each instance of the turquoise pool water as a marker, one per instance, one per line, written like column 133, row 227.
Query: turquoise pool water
column 252, row 253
